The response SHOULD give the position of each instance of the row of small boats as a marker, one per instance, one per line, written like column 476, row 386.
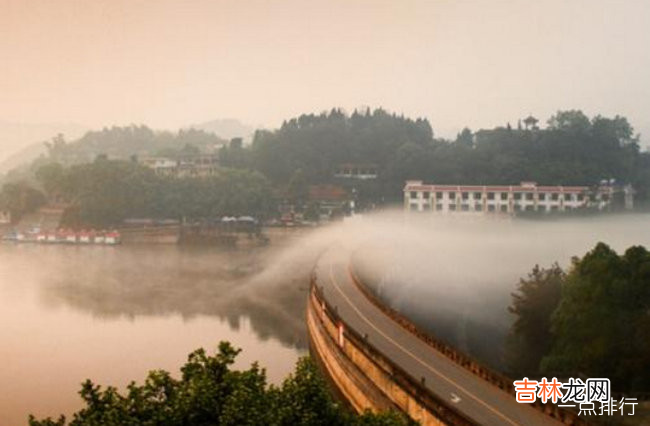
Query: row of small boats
column 63, row 236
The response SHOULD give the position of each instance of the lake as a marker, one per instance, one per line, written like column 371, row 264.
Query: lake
column 114, row 313
column 111, row 314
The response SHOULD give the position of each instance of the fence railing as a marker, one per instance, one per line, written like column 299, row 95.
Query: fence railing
column 465, row 361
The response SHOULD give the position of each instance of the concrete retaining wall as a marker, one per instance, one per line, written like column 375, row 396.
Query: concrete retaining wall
column 366, row 378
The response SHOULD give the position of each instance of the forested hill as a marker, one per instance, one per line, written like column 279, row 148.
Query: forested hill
column 571, row 149
column 319, row 143
column 128, row 141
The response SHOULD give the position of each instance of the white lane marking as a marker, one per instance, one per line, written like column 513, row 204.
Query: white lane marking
column 415, row 357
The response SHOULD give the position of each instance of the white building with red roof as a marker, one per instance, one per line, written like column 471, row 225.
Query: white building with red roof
column 507, row 199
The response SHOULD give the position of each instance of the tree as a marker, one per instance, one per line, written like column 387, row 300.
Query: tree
column 573, row 120
column 529, row 340
column 298, row 189
column 19, row 198
column 209, row 392
column 601, row 327
column 312, row 212
column 465, row 138
column 56, row 148
column 235, row 155
column 51, row 177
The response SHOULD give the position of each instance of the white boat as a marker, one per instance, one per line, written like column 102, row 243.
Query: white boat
column 112, row 238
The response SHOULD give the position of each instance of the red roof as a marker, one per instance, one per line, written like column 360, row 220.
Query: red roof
column 494, row 188
column 327, row 193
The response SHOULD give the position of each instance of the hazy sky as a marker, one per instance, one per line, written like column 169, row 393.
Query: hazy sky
column 171, row 63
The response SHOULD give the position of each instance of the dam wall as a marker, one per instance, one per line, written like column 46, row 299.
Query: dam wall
column 367, row 379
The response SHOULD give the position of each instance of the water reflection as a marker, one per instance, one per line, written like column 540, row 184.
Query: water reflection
column 163, row 281
column 114, row 313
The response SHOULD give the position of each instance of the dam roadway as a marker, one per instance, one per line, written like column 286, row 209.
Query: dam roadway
column 470, row 395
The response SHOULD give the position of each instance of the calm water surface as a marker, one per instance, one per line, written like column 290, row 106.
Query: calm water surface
column 114, row 313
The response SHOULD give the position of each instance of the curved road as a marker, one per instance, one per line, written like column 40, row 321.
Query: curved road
column 477, row 399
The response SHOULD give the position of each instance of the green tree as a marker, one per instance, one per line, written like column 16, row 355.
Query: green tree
column 536, row 299
column 573, row 120
column 601, row 327
column 19, row 198
column 209, row 392
column 298, row 188
column 465, row 138
column 235, row 155
column 51, row 177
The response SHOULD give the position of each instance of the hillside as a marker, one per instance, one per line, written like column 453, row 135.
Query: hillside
column 227, row 129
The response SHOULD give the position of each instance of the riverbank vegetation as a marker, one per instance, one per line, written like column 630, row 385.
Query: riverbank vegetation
column 105, row 192
column 572, row 149
column 591, row 320
column 19, row 198
column 210, row 392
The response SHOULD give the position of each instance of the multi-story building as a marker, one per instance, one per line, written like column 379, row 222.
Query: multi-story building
column 510, row 199
column 199, row 165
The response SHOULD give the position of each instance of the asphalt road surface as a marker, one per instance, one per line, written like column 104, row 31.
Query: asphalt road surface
column 477, row 399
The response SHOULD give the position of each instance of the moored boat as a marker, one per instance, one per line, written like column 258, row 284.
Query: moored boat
column 65, row 236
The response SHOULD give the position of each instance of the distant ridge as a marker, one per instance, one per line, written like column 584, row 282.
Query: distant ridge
column 22, row 157
column 21, row 143
column 227, row 128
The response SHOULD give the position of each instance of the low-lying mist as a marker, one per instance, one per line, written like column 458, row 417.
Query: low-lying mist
column 451, row 275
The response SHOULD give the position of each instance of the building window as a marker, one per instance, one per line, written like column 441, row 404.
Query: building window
column 452, row 195
column 504, row 208
column 530, row 208
column 439, row 195
column 518, row 207
column 438, row 207
column 425, row 195
column 414, row 207
column 541, row 197
column 554, row 197
column 478, row 207
column 414, row 194
column 465, row 207
column 465, row 195
column 490, row 195
column 568, row 197
column 580, row 197
column 452, row 207
column 504, row 195
column 517, row 195
column 554, row 208
column 477, row 195
column 490, row 207
column 529, row 195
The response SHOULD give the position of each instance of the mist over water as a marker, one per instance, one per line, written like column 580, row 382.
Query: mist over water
column 114, row 313
column 111, row 314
